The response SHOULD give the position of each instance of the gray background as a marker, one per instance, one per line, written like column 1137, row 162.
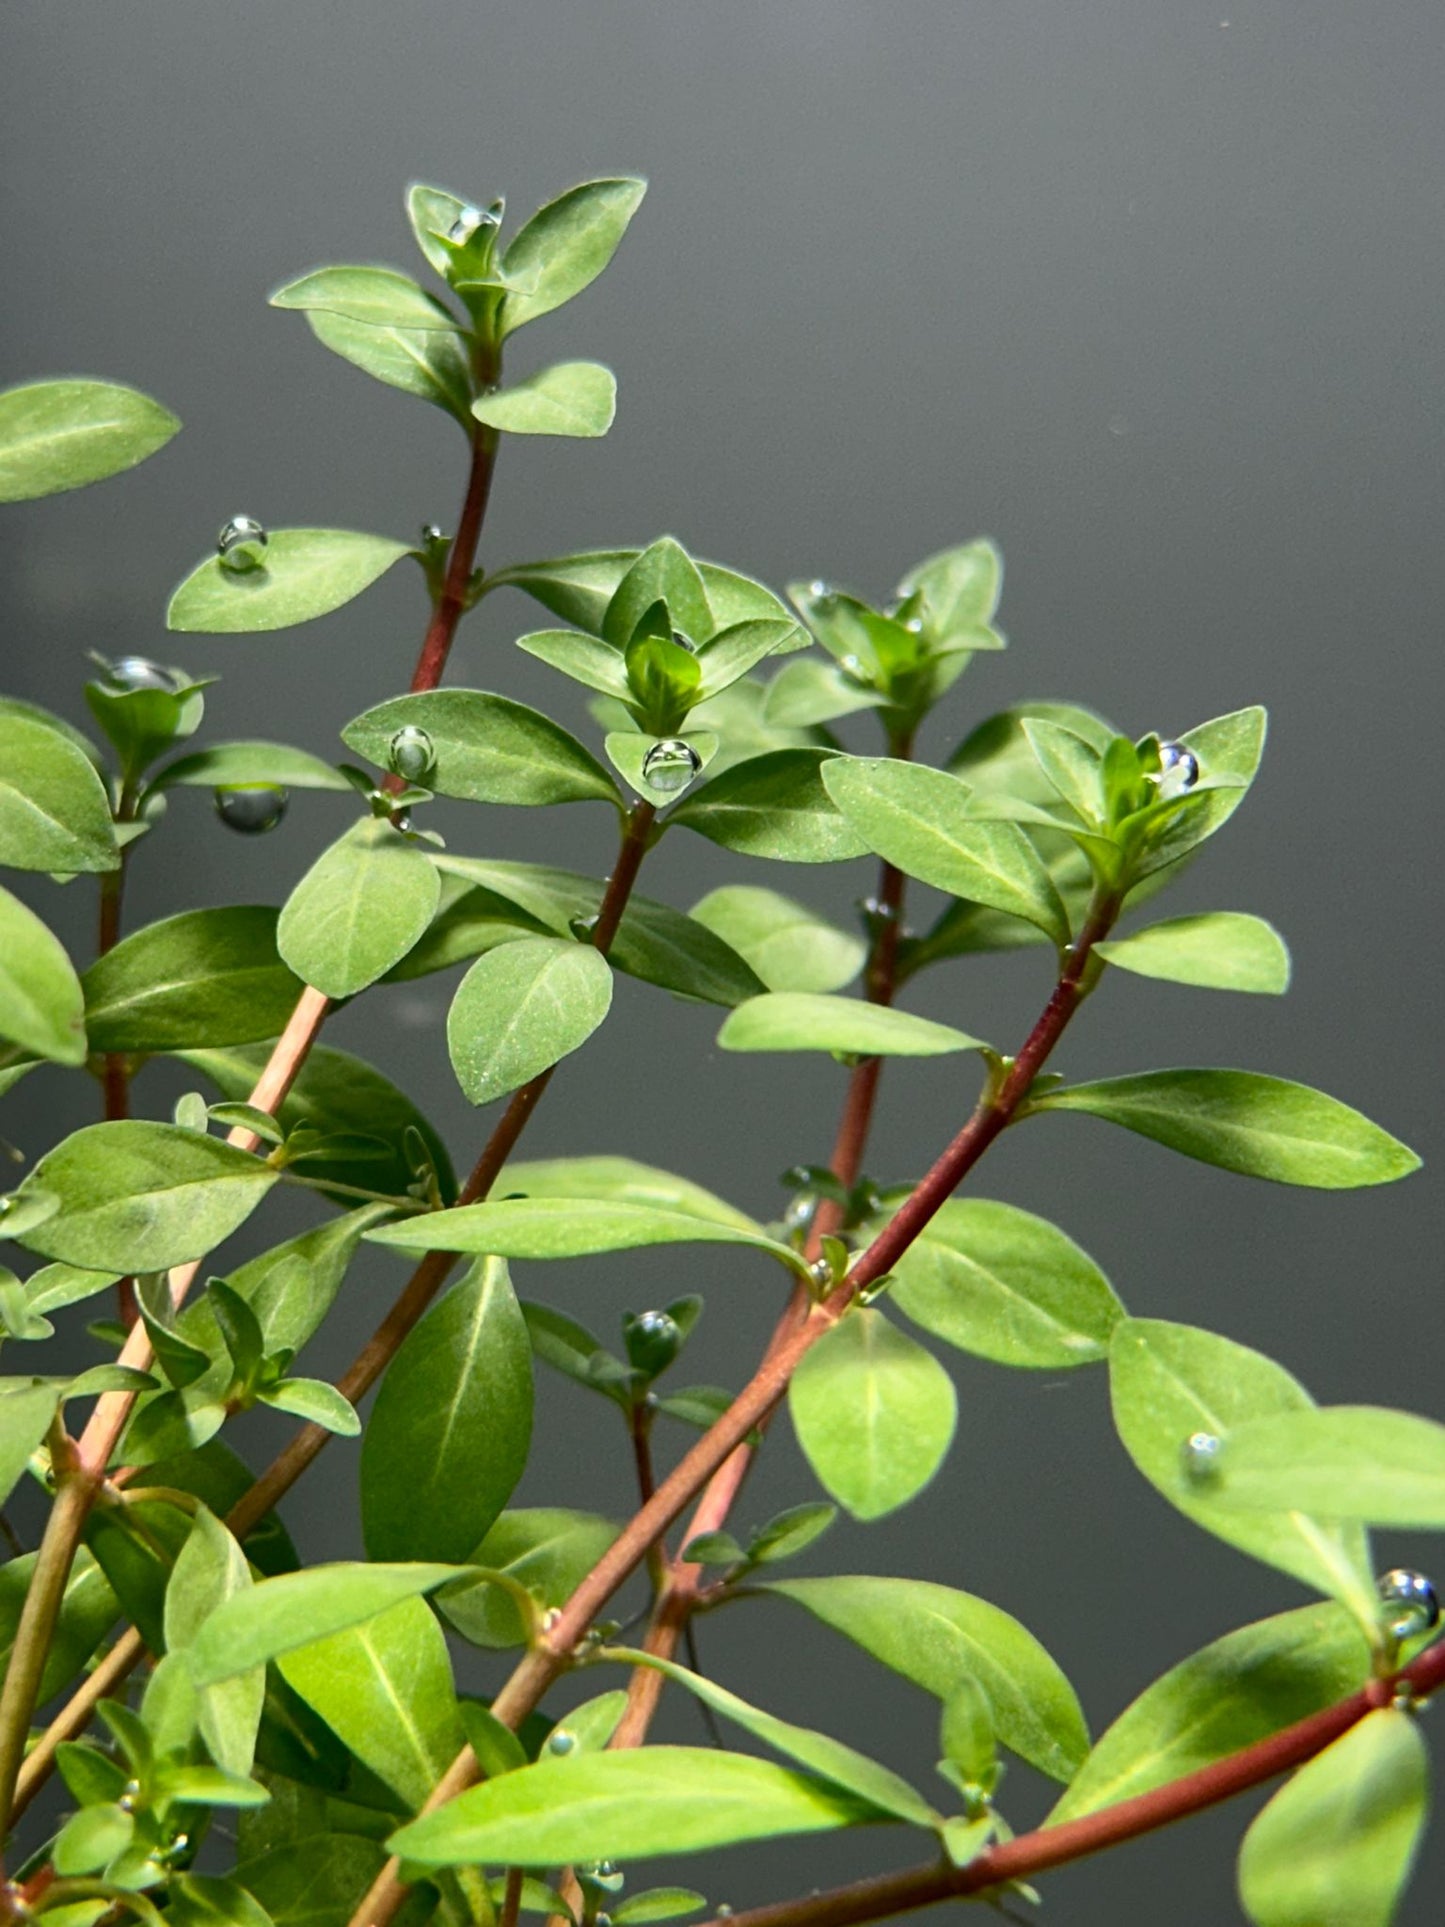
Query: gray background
column 1150, row 293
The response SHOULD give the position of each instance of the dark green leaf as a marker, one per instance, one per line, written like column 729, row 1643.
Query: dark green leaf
column 205, row 977
column 1223, row 950
column 358, row 910
column 42, row 1007
column 775, row 805
column 58, row 435
column 520, row 1009
column 936, row 1636
column 789, row 1020
column 307, row 573
column 449, row 1434
column 1264, row 1127
column 488, row 749
column 790, row 1533
column 25, row 1414
column 316, row 1883
column 545, row 1549
column 565, row 246
column 54, row 813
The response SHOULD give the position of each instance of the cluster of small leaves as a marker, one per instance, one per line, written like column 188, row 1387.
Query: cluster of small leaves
column 320, row 1700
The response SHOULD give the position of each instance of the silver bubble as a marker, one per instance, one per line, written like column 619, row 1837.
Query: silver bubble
column 139, row 672
column 251, row 808
column 470, row 221
column 1411, row 1600
column 670, row 765
column 1178, row 769
column 411, row 753
column 241, row 545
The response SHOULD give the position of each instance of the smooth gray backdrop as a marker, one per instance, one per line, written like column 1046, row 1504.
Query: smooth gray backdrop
column 1152, row 294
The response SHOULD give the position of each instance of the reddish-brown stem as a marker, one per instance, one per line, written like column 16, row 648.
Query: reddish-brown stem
column 1035, row 1853
column 451, row 603
column 552, row 1654
column 115, row 1068
column 511, row 1899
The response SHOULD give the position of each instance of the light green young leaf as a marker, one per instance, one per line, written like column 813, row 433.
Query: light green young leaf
column 596, row 665
column 626, row 1806
column 788, row 945
column 307, row 573
column 520, row 1009
column 317, row 1402
column 579, row 588
column 358, row 909
column 786, row 1020
column 427, row 364
column 25, row 1414
column 565, row 246
column 385, row 1690
column 278, row 1615
column 654, row 942
column 42, row 1007
column 840, row 1765
column 775, row 806
column 468, row 921
column 54, row 812
column 92, row 1838
column 874, row 1413
column 564, row 1228
column 136, row 1196
column 1229, row 751
column 658, row 1903
column 1232, row 1694
column 1335, row 1845
column 378, row 296
column 205, row 977
column 1263, row 1127
column 811, row 690
column 249, row 762
column 576, row 398
column 1071, row 766
column 432, row 212
column 212, row 1568
column 449, row 1434
column 936, row 1636
column 618, row 1181
column 1223, row 950
column 630, row 751
column 1169, row 1383
column 488, row 749
column 1003, row 1284
column 58, row 435
column 996, row 758
column 733, row 652
column 916, row 818
column 548, row 1550
column 960, row 586
column 1344, row 1461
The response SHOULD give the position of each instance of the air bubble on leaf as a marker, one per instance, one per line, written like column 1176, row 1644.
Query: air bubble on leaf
column 914, row 625
column 820, row 591
column 411, row 753
column 1411, row 1601
column 139, row 672
column 1201, row 1457
column 241, row 545
column 670, row 765
column 855, row 667
column 251, row 809
column 561, row 1741
column 1178, row 769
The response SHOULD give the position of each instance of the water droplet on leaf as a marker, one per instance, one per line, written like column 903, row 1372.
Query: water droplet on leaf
column 653, row 1340
column 251, row 808
column 1178, row 769
column 561, row 1741
column 821, row 1273
column 139, row 672
column 1201, row 1457
column 411, row 753
column 584, row 929
column 1411, row 1601
column 855, row 667
column 683, row 642
column 470, row 221
column 670, row 765
column 241, row 545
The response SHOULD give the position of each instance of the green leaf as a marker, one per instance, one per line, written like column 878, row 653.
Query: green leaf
column 338, row 1095
column 42, row 1007
column 790, row 1533
column 1005, row 1285
column 205, row 977
column 92, row 1838
column 1229, row 751
column 874, row 1413
column 935, row 1637
column 378, row 296
column 358, row 909
column 663, row 572
column 960, row 587
column 658, row 1903
column 1171, row 1382
column 548, row 1550
column 916, row 818
column 212, row 1900
column 307, row 573
column 315, row 1883
column 579, row 588
column 1071, row 766
column 385, row 1690
column 775, row 805
column 564, row 1228
column 654, row 942
column 786, row 1020
column 468, row 921
column 629, row 751
column 618, row 1181
column 448, row 1437
column 733, row 652
column 278, row 1615
column 576, row 398
column 428, row 364
column 1345, row 1461
column 788, row 945
column 54, row 812
column 25, row 1415
column 522, row 1008
column 58, row 435
column 1263, row 1127
column 565, row 246
column 315, row 1401
column 1224, row 950
column 1232, row 1694
column 249, row 762
column 830, row 1759
column 140, row 1197
column 488, row 749
column 1335, row 1845
column 812, row 691
column 626, row 1806
column 212, row 1568
column 596, row 665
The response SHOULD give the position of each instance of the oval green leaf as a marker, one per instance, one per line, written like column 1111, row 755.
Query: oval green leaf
column 378, row 296
column 488, row 749
column 57, row 435
column 1224, row 950
column 786, row 1020
column 564, row 1228
column 788, row 945
column 566, row 245
column 774, row 806
column 548, row 1550
column 1345, row 1461
column 54, row 812
column 575, row 398
column 522, row 1008
column 358, row 909
column 307, row 573
column 428, row 364
column 250, row 762
column 42, row 1006
column 203, row 978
